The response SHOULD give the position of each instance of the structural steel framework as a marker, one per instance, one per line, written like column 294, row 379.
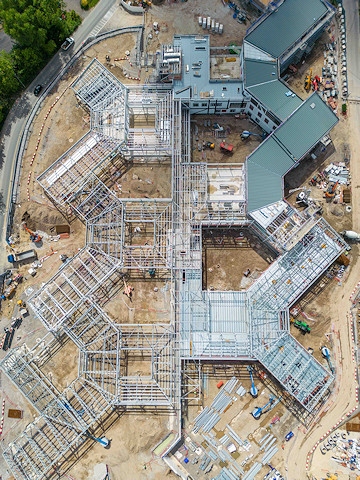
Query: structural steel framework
column 164, row 236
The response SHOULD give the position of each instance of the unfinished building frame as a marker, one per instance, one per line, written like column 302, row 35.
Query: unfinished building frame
column 125, row 236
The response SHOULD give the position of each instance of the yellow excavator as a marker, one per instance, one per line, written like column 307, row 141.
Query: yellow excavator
column 307, row 82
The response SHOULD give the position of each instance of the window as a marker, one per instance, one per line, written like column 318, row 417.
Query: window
column 224, row 89
column 272, row 117
column 259, row 114
column 195, row 104
column 204, row 104
column 266, row 120
column 237, row 105
column 257, row 120
column 254, row 102
column 251, row 107
column 232, row 110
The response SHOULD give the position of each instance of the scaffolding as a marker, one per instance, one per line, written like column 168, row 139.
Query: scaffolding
column 96, row 84
column 69, row 173
column 128, row 236
column 297, row 371
column 88, row 278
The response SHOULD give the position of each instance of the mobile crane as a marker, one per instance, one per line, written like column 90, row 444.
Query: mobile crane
column 258, row 411
column 253, row 389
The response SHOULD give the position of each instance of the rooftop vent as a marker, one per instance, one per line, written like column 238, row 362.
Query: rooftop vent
column 312, row 105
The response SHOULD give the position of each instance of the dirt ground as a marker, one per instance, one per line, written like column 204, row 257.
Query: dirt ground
column 134, row 436
column 228, row 254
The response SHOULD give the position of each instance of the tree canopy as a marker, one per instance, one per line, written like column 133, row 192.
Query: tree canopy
column 37, row 27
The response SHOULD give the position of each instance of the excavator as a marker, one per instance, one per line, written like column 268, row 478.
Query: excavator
column 330, row 192
column 34, row 236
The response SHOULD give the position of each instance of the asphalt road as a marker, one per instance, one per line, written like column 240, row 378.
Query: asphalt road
column 14, row 126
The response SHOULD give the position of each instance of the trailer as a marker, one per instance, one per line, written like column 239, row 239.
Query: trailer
column 28, row 256
column 226, row 147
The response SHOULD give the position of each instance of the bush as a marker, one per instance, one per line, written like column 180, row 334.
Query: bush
column 86, row 4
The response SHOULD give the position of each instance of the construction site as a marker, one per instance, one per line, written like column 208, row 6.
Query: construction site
column 184, row 254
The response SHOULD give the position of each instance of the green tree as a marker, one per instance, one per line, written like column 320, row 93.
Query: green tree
column 38, row 24
column 8, row 83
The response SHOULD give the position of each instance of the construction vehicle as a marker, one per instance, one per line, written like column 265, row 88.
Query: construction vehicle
column 253, row 389
column 330, row 192
column 349, row 234
column 210, row 145
column 246, row 134
column 302, row 198
column 302, row 326
column 22, row 308
column 34, row 236
column 325, row 352
column 226, row 147
column 104, row 442
column 307, row 82
column 23, row 257
column 14, row 283
column 258, row 411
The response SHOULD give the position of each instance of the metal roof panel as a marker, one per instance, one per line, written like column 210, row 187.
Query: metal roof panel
column 306, row 126
column 286, row 25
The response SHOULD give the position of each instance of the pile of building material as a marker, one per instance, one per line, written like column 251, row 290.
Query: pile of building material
column 338, row 172
column 208, row 23
column 344, row 451
column 210, row 416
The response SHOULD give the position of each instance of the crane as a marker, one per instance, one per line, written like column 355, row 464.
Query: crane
column 246, row 134
column 258, row 411
column 326, row 354
column 34, row 236
column 253, row 389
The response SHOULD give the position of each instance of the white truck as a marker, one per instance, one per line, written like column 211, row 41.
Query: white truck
column 350, row 235
column 67, row 43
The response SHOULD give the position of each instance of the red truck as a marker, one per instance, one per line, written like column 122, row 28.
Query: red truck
column 226, row 147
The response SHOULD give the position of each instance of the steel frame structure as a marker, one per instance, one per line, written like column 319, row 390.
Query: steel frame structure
column 129, row 235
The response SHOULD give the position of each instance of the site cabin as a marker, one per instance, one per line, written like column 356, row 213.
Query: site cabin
column 226, row 147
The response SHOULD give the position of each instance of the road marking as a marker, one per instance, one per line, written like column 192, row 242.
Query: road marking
column 103, row 21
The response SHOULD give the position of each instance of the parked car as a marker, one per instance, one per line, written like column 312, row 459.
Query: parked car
column 289, row 436
column 37, row 90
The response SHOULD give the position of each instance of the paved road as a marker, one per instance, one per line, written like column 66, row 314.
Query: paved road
column 12, row 131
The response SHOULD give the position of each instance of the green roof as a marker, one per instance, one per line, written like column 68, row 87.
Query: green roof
column 257, row 71
column 265, row 187
column 286, row 25
column 306, row 126
column 265, row 168
column 277, row 98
